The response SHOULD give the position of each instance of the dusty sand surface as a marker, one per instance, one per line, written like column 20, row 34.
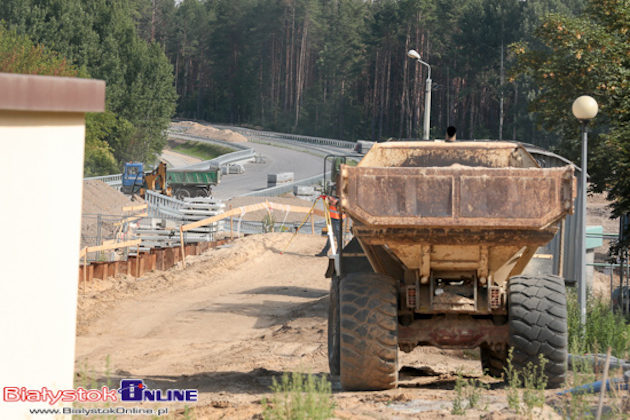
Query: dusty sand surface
column 239, row 316
column 195, row 129
column 100, row 198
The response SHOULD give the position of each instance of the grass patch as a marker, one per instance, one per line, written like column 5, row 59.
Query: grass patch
column 603, row 328
column 525, row 387
column 468, row 394
column 298, row 396
column 204, row 151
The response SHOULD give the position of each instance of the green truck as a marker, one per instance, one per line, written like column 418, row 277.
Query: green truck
column 192, row 182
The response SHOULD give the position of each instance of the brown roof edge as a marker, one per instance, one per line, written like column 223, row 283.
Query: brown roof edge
column 25, row 92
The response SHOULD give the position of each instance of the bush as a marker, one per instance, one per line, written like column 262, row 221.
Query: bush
column 298, row 397
column 603, row 328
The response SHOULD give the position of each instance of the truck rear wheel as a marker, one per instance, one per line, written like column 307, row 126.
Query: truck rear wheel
column 333, row 327
column 537, row 309
column 369, row 332
column 182, row 193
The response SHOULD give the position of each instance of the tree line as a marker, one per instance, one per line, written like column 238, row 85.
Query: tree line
column 98, row 39
column 339, row 68
column 501, row 69
column 335, row 68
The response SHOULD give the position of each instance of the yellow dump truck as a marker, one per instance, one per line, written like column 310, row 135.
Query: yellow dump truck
column 442, row 232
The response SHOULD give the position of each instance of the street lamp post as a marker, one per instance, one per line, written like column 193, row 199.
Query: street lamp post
column 584, row 109
column 427, row 94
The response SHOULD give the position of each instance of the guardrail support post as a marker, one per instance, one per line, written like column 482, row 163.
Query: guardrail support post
column 181, row 242
column 231, row 225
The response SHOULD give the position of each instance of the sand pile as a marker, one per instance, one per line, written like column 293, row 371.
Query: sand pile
column 196, row 129
column 100, row 198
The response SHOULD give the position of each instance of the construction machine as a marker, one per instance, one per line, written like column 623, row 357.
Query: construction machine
column 441, row 235
column 181, row 183
column 136, row 181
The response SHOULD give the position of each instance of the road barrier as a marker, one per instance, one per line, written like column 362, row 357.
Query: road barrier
column 343, row 144
column 243, row 153
column 285, row 188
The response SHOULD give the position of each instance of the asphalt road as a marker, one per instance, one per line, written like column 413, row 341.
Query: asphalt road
column 276, row 159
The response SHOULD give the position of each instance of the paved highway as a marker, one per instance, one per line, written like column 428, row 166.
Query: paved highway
column 279, row 155
column 276, row 159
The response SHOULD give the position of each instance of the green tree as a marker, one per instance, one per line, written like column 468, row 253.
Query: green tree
column 587, row 54
column 19, row 55
column 100, row 38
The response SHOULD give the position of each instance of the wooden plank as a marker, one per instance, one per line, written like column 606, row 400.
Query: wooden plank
column 134, row 208
column 295, row 209
column 122, row 267
column 131, row 218
column 98, row 248
column 152, row 259
column 132, row 262
column 234, row 212
column 191, row 249
column 159, row 259
column 202, row 247
column 169, row 258
column 143, row 264
column 100, row 270
column 112, row 269
column 252, row 207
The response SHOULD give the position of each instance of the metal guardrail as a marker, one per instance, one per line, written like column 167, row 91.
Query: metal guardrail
column 284, row 188
column 111, row 180
column 231, row 145
column 343, row 144
column 161, row 206
column 249, row 227
column 243, row 153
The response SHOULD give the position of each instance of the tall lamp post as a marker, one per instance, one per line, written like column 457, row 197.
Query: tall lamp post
column 584, row 109
column 413, row 54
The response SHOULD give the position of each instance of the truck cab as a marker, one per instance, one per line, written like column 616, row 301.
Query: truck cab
column 133, row 177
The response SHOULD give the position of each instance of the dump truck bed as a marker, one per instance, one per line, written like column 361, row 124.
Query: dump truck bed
column 457, row 196
column 194, row 177
column 430, row 207
column 485, row 185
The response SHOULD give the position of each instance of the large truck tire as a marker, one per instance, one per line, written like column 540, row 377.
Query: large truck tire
column 369, row 332
column 537, row 313
column 334, row 334
column 182, row 193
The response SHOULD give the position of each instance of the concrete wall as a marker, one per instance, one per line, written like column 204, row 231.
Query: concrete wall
column 41, row 165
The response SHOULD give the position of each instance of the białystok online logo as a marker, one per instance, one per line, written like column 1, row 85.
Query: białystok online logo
column 130, row 390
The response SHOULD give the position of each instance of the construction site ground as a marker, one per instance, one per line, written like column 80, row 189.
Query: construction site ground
column 238, row 316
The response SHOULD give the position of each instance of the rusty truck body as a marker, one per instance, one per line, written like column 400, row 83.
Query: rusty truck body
column 442, row 232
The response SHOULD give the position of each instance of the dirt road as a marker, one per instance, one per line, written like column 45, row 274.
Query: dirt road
column 239, row 316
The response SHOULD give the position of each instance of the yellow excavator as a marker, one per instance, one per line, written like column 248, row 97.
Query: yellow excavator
column 136, row 181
